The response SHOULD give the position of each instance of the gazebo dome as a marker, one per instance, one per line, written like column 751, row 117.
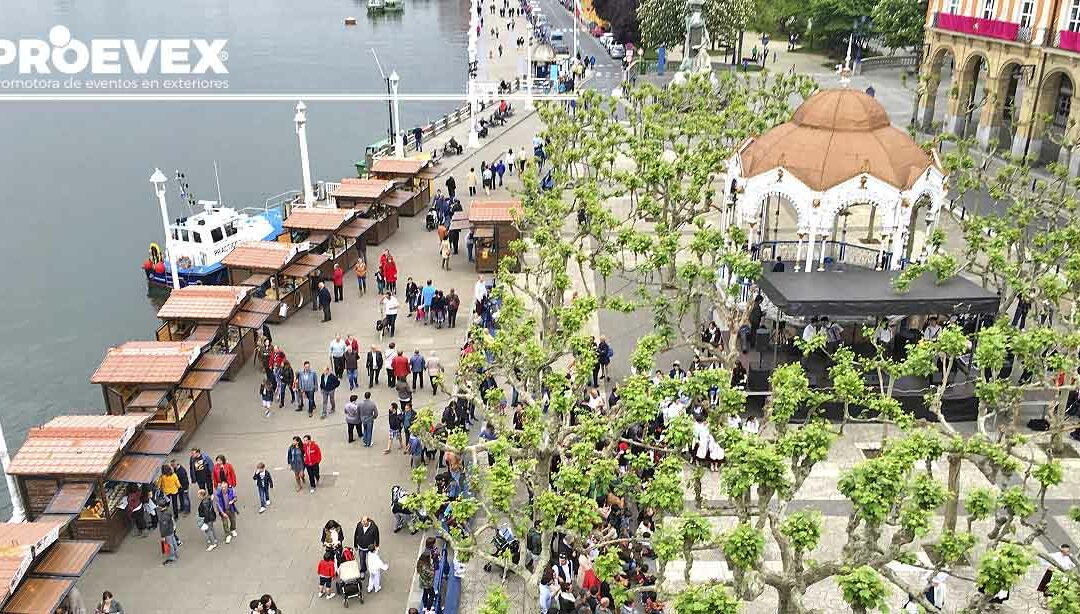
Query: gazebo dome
column 834, row 136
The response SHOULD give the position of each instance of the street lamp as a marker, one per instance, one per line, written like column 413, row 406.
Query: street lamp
column 305, row 163
column 399, row 146
column 158, row 180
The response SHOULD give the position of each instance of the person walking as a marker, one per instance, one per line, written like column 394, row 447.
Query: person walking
column 337, row 355
column 500, row 168
column 352, row 417
column 267, row 390
column 312, row 458
column 339, row 283
column 510, row 161
column 486, row 178
column 365, row 540
column 418, row 138
column 295, row 459
column 388, row 360
column 324, row 301
column 454, row 237
column 416, row 367
column 109, row 605
column 287, row 381
column 395, row 422
column 264, row 482
column 445, row 250
column 169, row 485
column 367, row 412
column 223, row 471
column 453, row 302
column 207, row 519
column 390, row 308
column 167, row 528
column 434, row 370
column 400, row 366
column 328, row 383
column 200, row 467
column 307, row 381
column 351, row 364
column 389, row 271
column 425, row 571
column 470, row 181
column 360, row 269
column 185, row 486
column 373, row 362
column 521, row 159
column 451, row 187
column 225, row 506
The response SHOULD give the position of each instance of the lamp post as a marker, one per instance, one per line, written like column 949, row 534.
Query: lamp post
column 305, row 163
column 399, row 145
column 158, row 180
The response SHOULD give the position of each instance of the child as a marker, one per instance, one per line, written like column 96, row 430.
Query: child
column 263, row 483
column 266, row 392
column 326, row 575
column 375, row 566
column 207, row 518
column 256, row 606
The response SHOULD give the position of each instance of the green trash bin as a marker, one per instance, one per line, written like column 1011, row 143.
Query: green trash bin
column 361, row 168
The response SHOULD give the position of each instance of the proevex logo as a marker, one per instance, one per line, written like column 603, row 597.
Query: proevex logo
column 112, row 56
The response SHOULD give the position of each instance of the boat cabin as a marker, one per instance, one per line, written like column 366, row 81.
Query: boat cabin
column 204, row 238
column 493, row 229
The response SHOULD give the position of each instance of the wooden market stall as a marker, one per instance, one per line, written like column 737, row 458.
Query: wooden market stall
column 323, row 229
column 366, row 196
column 493, row 228
column 168, row 380
column 77, row 470
column 227, row 318
column 262, row 265
column 413, row 177
column 38, row 568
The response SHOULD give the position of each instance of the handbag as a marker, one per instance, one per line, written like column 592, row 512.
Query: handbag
column 165, row 548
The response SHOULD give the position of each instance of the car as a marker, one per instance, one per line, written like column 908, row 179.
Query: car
column 617, row 51
column 558, row 44
column 597, row 31
column 606, row 39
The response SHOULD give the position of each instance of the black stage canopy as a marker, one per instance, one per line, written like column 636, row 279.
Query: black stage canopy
column 863, row 292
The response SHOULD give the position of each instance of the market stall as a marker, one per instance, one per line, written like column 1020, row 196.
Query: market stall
column 493, row 228
column 412, row 177
column 259, row 264
column 322, row 229
column 367, row 196
column 159, row 378
column 227, row 318
column 38, row 568
column 81, row 468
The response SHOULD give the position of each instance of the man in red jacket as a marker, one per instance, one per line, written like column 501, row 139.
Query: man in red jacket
column 312, row 458
column 339, row 283
column 400, row 365
column 223, row 471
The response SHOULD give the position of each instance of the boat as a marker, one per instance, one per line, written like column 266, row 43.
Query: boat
column 393, row 5
column 375, row 6
column 200, row 241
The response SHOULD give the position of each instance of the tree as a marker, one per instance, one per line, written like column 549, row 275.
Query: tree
column 899, row 23
column 833, row 19
column 663, row 22
column 622, row 16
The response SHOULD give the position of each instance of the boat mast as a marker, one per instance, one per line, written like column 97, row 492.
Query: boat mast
column 158, row 180
column 217, row 180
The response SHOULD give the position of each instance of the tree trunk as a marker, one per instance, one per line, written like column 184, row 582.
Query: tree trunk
column 952, row 505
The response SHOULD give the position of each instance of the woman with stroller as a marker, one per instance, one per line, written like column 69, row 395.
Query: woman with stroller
column 333, row 540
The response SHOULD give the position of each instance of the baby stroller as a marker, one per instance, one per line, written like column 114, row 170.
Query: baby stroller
column 350, row 584
column 502, row 543
column 431, row 221
column 380, row 327
column 402, row 515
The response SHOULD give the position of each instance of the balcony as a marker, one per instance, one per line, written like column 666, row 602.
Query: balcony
column 986, row 28
column 1069, row 41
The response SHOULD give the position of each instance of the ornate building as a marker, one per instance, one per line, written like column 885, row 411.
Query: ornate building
column 1005, row 72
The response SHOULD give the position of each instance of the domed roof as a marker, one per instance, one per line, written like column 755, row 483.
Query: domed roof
column 836, row 135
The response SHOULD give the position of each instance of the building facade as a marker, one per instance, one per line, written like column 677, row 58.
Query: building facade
column 1006, row 73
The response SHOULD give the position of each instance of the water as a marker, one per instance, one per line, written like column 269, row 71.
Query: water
column 79, row 211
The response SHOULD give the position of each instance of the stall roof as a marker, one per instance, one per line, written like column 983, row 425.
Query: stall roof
column 261, row 305
column 203, row 303
column 75, row 445
column 326, row 220
column 149, row 398
column 255, row 279
column 398, row 198
column 204, row 333
column 68, row 558
column 459, row 223
column 38, row 596
column 22, row 541
column 201, row 380
column 315, row 260
column 260, row 256
column 70, row 499
column 249, row 319
column 398, row 166
column 136, row 468
column 215, row 362
column 861, row 292
column 357, row 228
column 146, row 362
column 494, row 210
column 305, row 265
column 364, row 189
column 155, row 441
column 429, row 173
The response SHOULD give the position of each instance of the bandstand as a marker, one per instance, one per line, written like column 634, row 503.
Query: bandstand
column 838, row 151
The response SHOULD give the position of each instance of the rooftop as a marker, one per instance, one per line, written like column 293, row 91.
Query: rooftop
column 75, row 445
column 494, row 210
column 398, row 166
column 366, row 189
column 203, row 302
column 259, row 255
column 309, row 218
column 146, row 362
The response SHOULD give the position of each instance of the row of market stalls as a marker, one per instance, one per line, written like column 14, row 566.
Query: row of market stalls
column 40, row 565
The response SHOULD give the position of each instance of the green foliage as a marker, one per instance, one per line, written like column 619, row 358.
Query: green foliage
column 1017, row 502
column 981, row 503
column 705, row 599
column 863, row 589
column 1049, row 474
column 1001, row 567
column 900, row 22
column 496, row 601
column 803, row 529
column 790, row 389
column 953, row 546
column 743, row 546
column 1064, row 593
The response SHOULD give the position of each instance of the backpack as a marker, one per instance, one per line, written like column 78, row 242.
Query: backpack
column 206, row 510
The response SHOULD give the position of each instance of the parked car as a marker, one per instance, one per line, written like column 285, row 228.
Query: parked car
column 617, row 51
column 558, row 44
column 606, row 39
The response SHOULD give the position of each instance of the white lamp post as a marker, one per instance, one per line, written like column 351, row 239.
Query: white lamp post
column 305, row 163
column 399, row 145
column 18, row 512
column 158, row 180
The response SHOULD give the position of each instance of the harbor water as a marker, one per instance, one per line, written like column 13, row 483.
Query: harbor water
column 79, row 212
